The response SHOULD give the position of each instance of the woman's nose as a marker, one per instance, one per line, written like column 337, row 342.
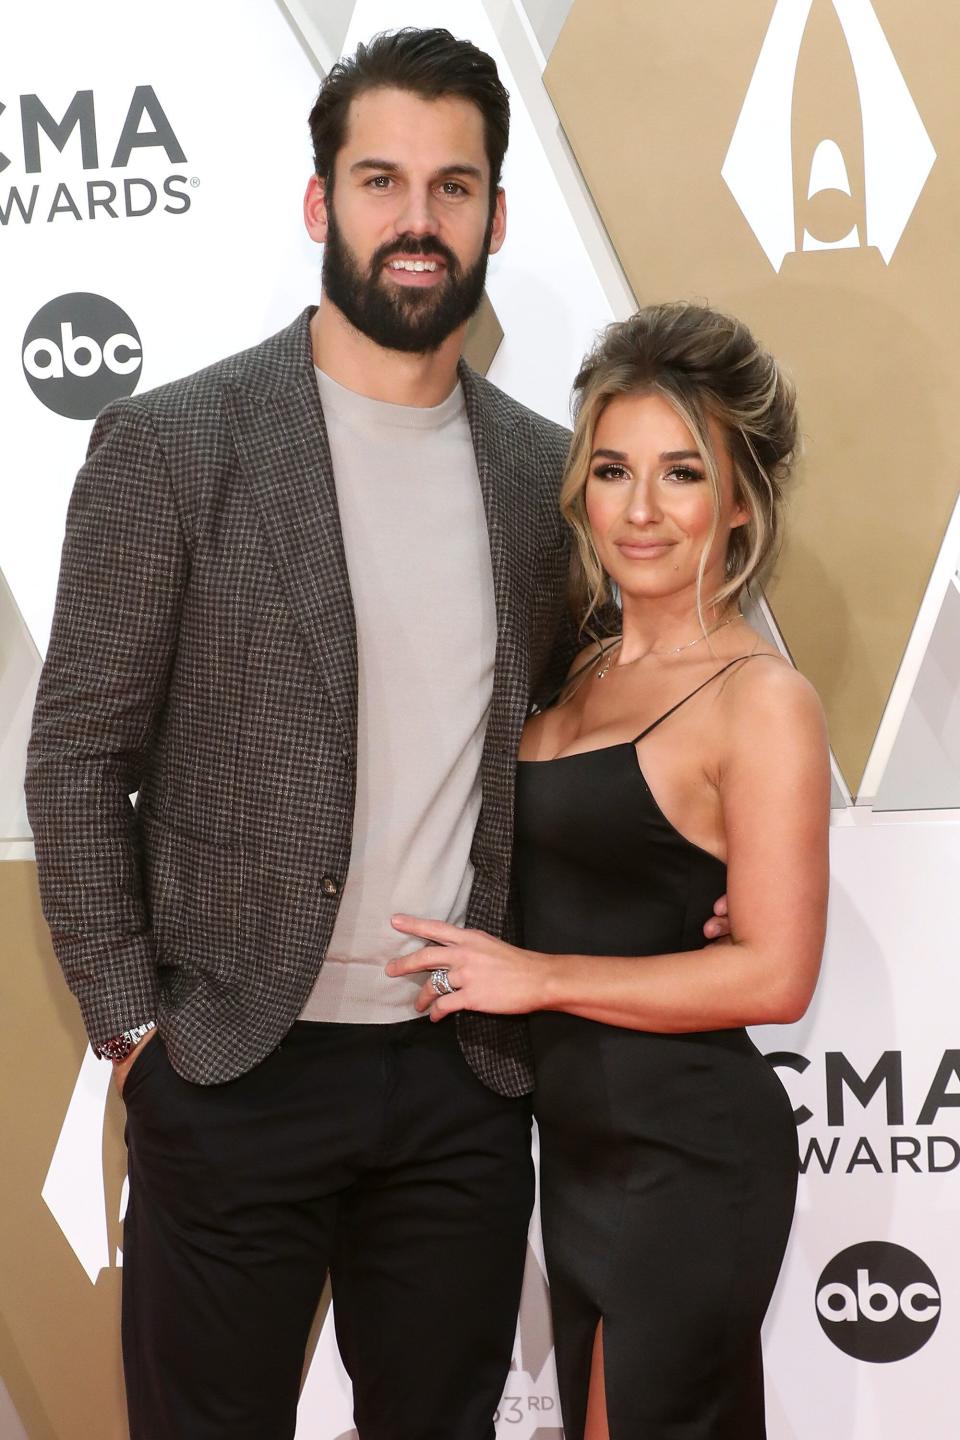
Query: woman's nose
column 643, row 503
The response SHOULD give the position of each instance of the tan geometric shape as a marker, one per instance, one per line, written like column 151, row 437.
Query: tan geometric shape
column 483, row 337
column 59, row 1334
column 19, row 673
column 11, row 1427
column 650, row 96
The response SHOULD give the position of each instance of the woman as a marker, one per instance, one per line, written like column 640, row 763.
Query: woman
column 684, row 757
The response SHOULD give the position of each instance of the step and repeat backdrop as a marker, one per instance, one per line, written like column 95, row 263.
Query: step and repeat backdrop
column 795, row 162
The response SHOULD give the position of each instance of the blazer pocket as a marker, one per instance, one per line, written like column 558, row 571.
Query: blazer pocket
column 193, row 890
column 141, row 1067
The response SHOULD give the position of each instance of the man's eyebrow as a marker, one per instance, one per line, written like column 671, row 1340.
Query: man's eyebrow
column 390, row 167
column 473, row 171
column 372, row 163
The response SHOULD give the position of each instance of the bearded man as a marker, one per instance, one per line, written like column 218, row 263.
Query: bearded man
column 306, row 596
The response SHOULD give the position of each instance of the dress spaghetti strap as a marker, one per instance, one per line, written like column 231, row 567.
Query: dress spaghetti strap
column 709, row 681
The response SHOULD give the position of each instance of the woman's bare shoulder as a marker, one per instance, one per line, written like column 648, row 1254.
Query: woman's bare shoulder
column 768, row 696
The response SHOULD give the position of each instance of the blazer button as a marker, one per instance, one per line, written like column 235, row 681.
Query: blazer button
column 329, row 886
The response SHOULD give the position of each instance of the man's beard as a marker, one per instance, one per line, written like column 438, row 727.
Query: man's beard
column 401, row 317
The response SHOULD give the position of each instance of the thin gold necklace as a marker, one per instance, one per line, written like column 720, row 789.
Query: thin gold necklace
column 609, row 655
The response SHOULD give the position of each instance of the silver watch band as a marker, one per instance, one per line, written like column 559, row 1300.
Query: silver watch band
column 118, row 1047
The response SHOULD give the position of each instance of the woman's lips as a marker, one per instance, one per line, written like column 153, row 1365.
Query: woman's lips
column 644, row 549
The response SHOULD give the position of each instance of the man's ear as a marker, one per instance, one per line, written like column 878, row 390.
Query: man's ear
column 498, row 229
column 315, row 209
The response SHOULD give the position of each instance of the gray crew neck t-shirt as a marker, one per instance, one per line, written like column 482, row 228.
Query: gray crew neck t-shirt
column 418, row 558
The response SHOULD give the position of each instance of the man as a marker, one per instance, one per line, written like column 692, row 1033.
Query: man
column 234, row 541
column 306, row 598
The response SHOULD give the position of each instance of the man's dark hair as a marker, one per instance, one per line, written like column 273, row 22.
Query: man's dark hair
column 428, row 63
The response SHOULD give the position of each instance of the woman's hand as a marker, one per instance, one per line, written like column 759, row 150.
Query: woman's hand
column 486, row 974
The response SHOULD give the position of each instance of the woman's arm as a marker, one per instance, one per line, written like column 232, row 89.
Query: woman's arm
column 775, row 795
column 775, row 792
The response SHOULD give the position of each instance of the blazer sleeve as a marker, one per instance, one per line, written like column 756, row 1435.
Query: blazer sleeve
column 123, row 571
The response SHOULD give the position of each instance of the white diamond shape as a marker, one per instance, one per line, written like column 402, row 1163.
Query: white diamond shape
column 74, row 1190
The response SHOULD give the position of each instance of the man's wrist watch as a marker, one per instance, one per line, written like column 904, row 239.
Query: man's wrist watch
column 118, row 1047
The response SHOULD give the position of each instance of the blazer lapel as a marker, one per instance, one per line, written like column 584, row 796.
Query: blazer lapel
column 285, row 458
column 498, row 443
column 284, row 455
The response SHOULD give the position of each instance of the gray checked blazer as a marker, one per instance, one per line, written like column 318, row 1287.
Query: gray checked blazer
column 204, row 656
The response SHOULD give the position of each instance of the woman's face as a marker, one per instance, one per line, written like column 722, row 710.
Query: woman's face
column 649, row 500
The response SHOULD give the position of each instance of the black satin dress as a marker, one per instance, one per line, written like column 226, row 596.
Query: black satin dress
column 668, row 1162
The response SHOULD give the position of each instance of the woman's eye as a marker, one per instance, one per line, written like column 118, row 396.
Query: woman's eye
column 610, row 472
column 684, row 474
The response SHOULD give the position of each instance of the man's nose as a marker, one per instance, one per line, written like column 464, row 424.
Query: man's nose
column 417, row 216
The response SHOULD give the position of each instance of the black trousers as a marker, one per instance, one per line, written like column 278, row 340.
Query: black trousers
column 371, row 1151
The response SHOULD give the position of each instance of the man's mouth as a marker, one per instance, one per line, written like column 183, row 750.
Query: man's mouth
column 414, row 266
column 416, row 272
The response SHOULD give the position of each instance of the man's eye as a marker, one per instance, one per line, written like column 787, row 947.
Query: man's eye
column 379, row 182
column 452, row 187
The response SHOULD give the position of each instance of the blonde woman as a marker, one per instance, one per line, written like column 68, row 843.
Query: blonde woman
column 684, row 758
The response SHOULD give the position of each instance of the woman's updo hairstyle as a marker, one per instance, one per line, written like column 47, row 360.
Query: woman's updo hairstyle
column 705, row 365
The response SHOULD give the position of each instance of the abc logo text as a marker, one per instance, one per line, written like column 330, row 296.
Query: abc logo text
column 81, row 351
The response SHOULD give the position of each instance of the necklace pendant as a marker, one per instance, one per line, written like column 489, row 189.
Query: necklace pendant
column 607, row 662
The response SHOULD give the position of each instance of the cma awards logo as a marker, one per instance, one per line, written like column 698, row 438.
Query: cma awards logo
column 901, row 1139
column 878, row 1302
column 897, row 153
column 81, row 351
column 76, row 133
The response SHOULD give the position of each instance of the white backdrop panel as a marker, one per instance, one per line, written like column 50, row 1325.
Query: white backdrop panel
column 890, row 988
column 235, row 88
